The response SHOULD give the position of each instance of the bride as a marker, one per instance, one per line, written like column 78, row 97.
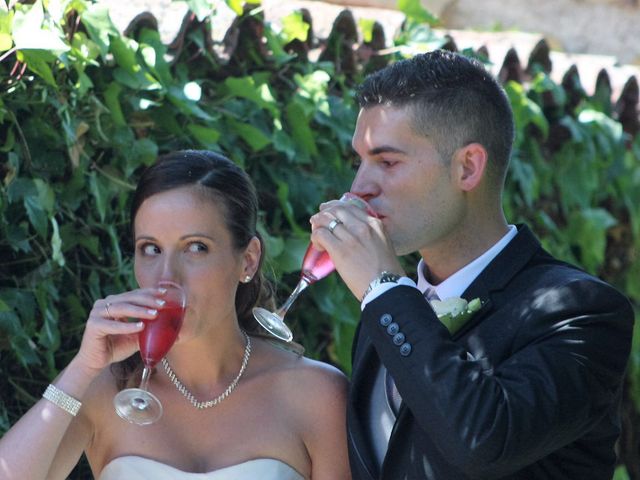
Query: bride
column 194, row 222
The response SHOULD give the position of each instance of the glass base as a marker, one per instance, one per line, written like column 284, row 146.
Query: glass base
column 137, row 406
column 273, row 324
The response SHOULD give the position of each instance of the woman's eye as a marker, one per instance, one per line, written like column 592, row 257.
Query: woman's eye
column 149, row 249
column 197, row 247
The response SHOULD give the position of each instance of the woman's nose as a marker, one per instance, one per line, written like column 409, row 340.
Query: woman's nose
column 170, row 269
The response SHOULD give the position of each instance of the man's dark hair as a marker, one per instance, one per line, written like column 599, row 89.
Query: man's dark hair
column 455, row 101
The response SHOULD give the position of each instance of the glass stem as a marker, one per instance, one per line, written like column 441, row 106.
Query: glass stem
column 302, row 284
column 144, row 382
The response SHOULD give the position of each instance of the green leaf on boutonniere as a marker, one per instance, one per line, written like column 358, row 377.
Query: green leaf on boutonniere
column 454, row 312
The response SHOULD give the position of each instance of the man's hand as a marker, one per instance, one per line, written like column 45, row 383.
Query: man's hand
column 357, row 244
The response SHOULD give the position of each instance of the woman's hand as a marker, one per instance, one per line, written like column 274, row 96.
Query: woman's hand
column 109, row 335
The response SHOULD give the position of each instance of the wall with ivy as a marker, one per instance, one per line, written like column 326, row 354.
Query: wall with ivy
column 84, row 108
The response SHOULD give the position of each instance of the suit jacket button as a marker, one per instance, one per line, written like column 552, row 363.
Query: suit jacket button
column 398, row 339
column 405, row 349
column 393, row 328
column 385, row 319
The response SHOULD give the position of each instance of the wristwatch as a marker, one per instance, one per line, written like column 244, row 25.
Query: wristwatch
column 384, row 277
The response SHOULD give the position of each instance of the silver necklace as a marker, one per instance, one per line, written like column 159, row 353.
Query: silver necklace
column 209, row 403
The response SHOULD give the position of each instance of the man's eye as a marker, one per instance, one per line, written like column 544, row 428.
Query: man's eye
column 149, row 249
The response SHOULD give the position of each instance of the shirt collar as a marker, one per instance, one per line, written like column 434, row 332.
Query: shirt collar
column 457, row 283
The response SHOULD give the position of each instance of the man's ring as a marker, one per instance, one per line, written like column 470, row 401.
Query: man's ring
column 106, row 307
column 333, row 224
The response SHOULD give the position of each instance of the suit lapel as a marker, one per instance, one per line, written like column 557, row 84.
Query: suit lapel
column 515, row 256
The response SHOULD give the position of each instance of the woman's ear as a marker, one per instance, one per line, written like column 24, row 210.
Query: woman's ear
column 251, row 258
column 470, row 165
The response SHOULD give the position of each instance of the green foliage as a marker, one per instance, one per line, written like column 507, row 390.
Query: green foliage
column 83, row 109
column 621, row 473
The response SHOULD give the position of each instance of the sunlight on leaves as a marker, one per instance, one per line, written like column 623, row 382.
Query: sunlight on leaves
column 56, row 244
column 414, row 10
column 366, row 27
column 294, row 28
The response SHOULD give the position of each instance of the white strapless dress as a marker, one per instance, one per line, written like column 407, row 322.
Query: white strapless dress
column 140, row 468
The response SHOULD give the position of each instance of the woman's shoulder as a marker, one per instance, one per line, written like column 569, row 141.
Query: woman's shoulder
column 312, row 396
column 303, row 380
column 289, row 359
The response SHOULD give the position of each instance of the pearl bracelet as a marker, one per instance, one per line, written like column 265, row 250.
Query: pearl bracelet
column 62, row 400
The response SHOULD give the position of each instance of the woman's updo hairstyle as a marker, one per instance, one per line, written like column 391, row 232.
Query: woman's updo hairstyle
column 230, row 188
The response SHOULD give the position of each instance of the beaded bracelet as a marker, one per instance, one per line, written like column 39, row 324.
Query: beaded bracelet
column 62, row 400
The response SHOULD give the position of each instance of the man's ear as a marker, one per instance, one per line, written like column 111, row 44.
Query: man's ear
column 470, row 163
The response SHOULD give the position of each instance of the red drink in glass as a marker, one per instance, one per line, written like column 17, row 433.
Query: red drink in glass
column 138, row 405
column 159, row 334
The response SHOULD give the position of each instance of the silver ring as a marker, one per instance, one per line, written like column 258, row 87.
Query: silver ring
column 333, row 224
column 106, row 307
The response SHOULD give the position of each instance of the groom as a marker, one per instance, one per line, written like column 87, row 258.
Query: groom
column 529, row 387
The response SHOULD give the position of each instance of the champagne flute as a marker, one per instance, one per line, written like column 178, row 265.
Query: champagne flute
column 315, row 266
column 138, row 405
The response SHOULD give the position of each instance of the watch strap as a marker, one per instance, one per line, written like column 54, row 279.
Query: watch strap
column 383, row 277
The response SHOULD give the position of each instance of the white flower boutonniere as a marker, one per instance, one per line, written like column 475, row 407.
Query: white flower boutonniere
column 454, row 312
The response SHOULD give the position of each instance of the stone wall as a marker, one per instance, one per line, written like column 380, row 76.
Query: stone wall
column 602, row 27
column 510, row 52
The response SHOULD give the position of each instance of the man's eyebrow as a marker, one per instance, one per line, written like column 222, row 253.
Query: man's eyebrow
column 385, row 149
column 382, row 149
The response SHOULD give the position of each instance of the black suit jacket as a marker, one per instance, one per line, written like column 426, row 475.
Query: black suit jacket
column 529, row 388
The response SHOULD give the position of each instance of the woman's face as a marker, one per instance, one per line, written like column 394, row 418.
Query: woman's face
column 181, row 235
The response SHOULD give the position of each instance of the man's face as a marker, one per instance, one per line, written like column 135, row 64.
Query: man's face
column 405, row 180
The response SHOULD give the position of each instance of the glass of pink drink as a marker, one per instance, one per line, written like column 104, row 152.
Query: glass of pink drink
column 315, row 266
column 138, row 405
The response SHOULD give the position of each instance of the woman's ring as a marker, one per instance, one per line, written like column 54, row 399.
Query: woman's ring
column 333, row 224
column 106, row 307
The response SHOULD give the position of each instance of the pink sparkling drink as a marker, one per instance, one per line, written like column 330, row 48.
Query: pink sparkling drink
column 316, row 265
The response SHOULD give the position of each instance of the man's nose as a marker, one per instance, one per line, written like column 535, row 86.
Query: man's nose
column 364, row 184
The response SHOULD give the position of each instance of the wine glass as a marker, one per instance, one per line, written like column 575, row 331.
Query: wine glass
column 315, row 266
column 138, row 405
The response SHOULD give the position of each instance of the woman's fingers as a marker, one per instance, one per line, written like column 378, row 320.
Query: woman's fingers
column 141, row 303
column 122, row 310
column 111, row 333
column 111, row 327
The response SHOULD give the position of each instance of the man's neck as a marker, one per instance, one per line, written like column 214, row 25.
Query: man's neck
column 443, row 261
